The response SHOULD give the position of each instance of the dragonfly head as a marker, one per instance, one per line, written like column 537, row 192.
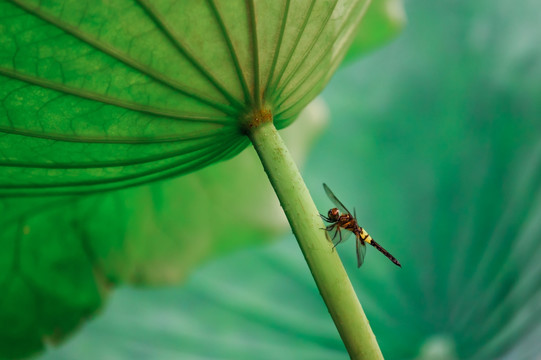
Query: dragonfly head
column 334, row 215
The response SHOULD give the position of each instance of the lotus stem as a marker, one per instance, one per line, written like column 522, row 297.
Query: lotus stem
column 324, row 263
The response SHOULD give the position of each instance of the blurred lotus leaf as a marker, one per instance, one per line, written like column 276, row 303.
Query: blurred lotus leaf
column 384, row 20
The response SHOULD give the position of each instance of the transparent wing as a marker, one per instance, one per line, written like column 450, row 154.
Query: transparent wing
column 335, row 200
column 338, row 235
column 361, row 251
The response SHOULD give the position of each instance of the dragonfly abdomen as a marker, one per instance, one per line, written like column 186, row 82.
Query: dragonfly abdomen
column 384, row 252
column 364, row 235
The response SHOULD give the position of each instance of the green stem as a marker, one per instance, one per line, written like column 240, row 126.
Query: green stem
column 324, row 263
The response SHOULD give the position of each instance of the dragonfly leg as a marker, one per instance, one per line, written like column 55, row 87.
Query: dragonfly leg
column 327, row 229
column 339, row 233
column 336, row 233
column 324, row 218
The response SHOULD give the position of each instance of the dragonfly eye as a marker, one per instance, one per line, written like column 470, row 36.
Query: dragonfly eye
column 334, row 214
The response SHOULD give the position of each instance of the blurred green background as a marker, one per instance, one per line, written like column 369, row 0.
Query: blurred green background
column 435, row 139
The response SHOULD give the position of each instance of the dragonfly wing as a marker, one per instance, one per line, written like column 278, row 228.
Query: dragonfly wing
column 335, row 200
column 339, row 235
column 361, row 251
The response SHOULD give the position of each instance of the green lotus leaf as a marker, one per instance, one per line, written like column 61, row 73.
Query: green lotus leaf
column 97, row 95
column 383, row 21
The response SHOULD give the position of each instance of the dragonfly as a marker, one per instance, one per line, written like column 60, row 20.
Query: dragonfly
column 340, row 218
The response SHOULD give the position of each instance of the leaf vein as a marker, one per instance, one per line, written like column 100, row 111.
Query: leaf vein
column 183, row 49
column 124, row 58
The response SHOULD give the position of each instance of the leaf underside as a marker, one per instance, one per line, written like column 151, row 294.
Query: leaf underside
column 97, row 95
